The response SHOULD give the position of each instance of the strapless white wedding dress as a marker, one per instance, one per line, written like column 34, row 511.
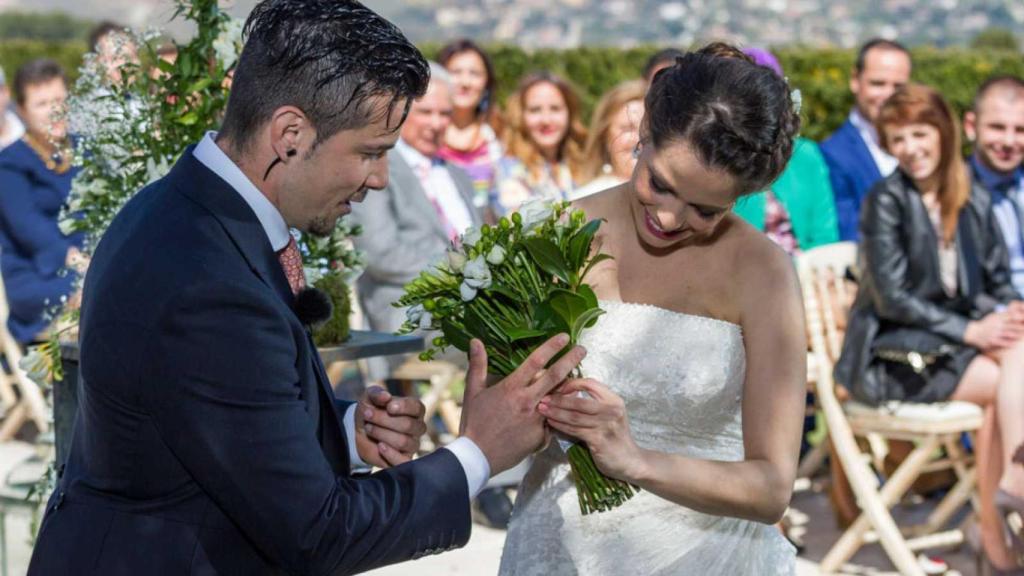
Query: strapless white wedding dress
column 681, row 377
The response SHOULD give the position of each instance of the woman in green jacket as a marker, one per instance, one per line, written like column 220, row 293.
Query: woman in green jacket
column 798, row 211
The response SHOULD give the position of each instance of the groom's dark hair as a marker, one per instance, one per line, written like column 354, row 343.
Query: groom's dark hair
column 329, row 58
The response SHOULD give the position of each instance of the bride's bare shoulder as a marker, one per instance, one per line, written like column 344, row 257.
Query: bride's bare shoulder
column 755, row 257
column 600, row 205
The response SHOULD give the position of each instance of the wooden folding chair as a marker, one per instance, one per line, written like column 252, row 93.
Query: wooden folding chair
column 931, row 427
column 21, row 397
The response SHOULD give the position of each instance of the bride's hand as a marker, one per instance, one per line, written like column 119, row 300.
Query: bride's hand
column 600, row 421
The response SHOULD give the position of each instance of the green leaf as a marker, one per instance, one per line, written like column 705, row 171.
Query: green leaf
column 188, row 119
column 476, row 326
column 568, row 305
column 200, row 85
column 186, row 63
column 545, row 318
column 455, row 335
column 593, row 261
column 524, row 333
column 579, row 245
column 588, row 294
column 547, row 255
column 585, row 320
column 504, row 291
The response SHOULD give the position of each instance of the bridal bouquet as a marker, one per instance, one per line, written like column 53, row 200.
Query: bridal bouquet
column 513, row 286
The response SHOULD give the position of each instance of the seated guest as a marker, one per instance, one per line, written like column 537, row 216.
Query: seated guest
column 426, row 205
column 11, row 127
column 471, row 142
column 612, row 139
column 934, row 280
column 543, row 143
column 36, row 173
column 798, row 212
column 853, row 154
column 114, row 48
column 995, row 125
column 428, row 202
column 659, row 61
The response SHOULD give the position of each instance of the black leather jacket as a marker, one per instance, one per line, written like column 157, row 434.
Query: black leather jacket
column 899, row 271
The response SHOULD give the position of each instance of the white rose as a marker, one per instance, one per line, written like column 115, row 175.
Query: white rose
column 471, row 236
column 456, row 261
column 426, row 319
column 496, row 256
column 534, row 213
column 477, row 274
column 467, row 292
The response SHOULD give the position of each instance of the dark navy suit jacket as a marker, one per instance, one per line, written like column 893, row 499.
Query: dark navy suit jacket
column 207, row 439
column 32, row 248
column 853, row 172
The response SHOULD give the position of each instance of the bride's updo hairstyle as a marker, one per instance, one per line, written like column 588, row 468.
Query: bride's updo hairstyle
column 736, row 116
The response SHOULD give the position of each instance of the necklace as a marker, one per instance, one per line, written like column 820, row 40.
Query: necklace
column 55, row 162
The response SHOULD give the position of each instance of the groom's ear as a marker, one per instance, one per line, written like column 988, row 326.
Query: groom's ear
column 291, row 133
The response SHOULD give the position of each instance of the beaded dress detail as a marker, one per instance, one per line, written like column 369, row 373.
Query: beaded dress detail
column 681, row 377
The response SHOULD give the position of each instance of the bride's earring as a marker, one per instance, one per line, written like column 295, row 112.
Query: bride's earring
column 636, row 151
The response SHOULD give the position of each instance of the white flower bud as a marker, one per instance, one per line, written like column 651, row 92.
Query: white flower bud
column 534, row 213
column 476, row 273
column 471, row 236
column 466, row 292
column 456, row 261
column 496, row 256
column 414, row 313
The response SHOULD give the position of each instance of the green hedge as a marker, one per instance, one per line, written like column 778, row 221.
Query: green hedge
column 14, row 53
column 821, row 74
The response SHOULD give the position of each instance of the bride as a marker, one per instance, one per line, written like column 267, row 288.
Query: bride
column 697, row 370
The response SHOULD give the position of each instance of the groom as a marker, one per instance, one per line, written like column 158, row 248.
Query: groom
column 207, row 439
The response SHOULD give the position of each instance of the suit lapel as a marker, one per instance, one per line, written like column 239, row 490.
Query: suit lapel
column 859, row 148
column 200, row 184
column 203, row 186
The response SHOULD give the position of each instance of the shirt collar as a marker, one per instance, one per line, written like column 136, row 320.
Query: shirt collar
column 210, row 155
column 994, row 181
column 863, row 126
column 414, row 157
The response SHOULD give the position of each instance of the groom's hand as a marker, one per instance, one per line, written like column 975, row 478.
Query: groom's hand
column 388, row 428
column 503, row 419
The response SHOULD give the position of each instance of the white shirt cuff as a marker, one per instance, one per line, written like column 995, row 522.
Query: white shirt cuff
column 356, row 463
column 474, row 464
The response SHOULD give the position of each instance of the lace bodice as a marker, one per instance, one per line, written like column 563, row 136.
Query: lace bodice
column 681, row 377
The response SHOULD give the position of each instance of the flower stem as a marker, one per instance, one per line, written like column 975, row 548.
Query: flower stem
column 596, row 492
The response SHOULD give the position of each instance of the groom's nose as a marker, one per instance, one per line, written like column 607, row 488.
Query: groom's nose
column 377, row 179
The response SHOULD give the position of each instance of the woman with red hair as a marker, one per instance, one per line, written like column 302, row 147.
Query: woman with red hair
column 935, row 280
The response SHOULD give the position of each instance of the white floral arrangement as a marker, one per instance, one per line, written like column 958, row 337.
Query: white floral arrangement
column 513, row 286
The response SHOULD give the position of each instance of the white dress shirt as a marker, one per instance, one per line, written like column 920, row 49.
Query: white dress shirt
column 473, row 461
column 886, row 164
column 438, row 186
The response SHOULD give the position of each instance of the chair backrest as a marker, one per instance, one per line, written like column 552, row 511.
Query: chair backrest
column 822, row 273
column 29, row 391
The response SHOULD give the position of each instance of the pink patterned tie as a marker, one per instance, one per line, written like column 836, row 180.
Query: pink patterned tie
column 291, row 261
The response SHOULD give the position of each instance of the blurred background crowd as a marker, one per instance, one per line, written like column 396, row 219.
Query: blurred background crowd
column 921, row 165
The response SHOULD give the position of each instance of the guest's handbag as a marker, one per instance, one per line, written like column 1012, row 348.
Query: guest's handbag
column 900, row 360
